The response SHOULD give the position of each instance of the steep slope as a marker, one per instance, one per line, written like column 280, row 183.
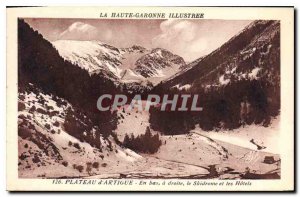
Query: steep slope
column 50, row 148
column 41, row 64
column 238, row 84
column 251, row 54
column 92, row 56
column 132, row 123
column 96, row 57
column 125, row 65
column 159, row 64
column 53, row 133
column 51, row 145
column 130, row 55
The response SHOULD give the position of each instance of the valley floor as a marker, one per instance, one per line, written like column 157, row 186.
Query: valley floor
column 192, row 156
column 197, row 156
column 233, row 154
column 46, row 150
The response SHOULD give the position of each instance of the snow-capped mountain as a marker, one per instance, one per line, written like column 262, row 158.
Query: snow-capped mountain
column 93, row 56
column 159, row 64
column 127, row 65
column 62, row 135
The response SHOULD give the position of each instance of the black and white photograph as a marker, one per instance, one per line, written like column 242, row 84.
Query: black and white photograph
column 151, row 96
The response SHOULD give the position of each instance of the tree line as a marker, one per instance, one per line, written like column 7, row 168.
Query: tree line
column 39, row 63
column 144, row 143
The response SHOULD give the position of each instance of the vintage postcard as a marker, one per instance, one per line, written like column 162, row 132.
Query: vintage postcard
column 150, row 99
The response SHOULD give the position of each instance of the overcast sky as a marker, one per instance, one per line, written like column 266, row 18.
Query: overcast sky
column 190, row 39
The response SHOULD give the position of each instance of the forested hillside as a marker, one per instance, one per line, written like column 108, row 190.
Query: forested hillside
column 238, row 84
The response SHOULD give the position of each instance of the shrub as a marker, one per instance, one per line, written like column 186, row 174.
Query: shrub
column 56, row 123
column 80, row 168
column 32, row 109
column 76, row 145
column 39, row 110
column 65, row 163
column 88, row 167
column 47, row 126
column 53, row 113
column 49, row 107
column 22, row 157
column 96, row 165
column 36, row 159
column 21, row 106
column 104, row 165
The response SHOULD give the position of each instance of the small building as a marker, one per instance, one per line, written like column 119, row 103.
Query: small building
column 269, row 160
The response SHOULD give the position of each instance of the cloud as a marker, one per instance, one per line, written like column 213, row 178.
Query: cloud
column 180, row 37
column 84, row 31
column 192, row 39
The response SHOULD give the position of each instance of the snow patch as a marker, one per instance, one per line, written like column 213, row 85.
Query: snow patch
column 223, row 81
column 184, row 87
column 265, row 136
column 254, row 72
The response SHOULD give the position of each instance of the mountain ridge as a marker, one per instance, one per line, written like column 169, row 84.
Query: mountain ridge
column 228, row 49
column 142, row 64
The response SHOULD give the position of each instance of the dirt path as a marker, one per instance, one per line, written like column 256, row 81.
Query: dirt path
column 222, row 150
column 179, row 162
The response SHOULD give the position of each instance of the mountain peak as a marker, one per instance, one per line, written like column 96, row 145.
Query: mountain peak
column 130, row 64
column 159, row 63
column 135, row 48
column 93, row 56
